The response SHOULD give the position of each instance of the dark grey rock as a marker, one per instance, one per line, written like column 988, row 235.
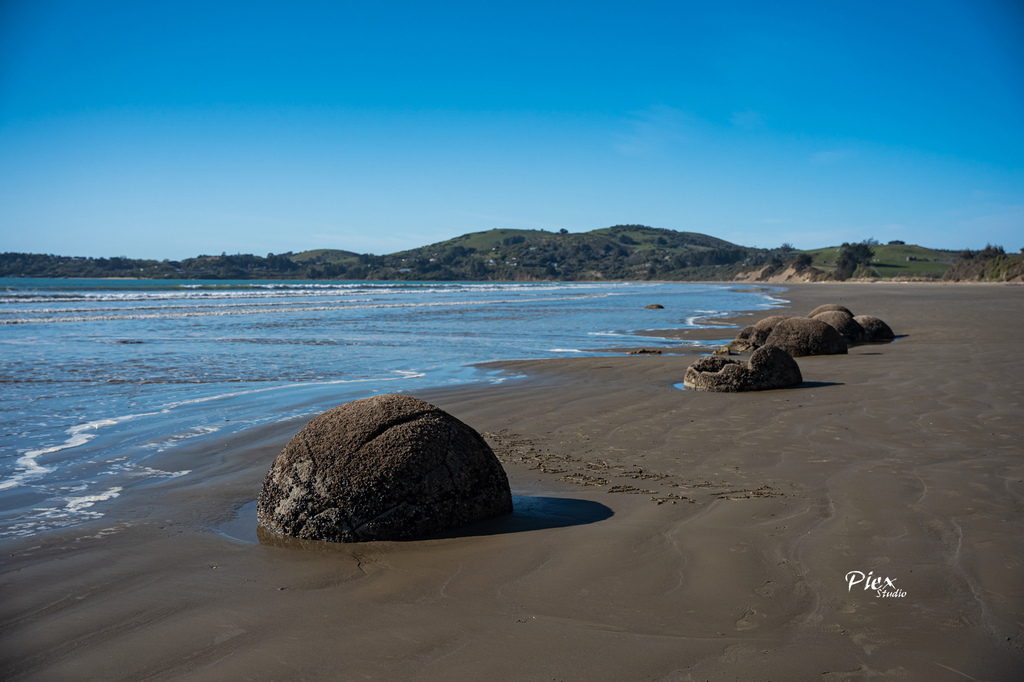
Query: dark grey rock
column 654, row 306
column 805, row 336
column 874, row 328
column 844, row 323
column 383, row 468
column 769, row 368
column 762, row 329
column 752, row 337
column 829, row 306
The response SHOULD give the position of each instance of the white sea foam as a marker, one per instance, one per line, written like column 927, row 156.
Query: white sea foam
column 111, row 314
column 402, row 375
column 75, row 509
column 196, row 432
column 219, row 293
column 78, row 505
column 28, row 469
column 140, row 471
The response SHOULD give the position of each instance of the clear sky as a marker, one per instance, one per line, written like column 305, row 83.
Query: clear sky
column 171, row 129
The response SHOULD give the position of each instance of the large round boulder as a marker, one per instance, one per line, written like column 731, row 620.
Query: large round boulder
column 844, row 323
column 741, row 344
column 762, row 329
column 829, row 306
column 769, row 368
column 716, row 373
column 382, row 468
column 874, row 328
column 774, row 367
column 805, row 336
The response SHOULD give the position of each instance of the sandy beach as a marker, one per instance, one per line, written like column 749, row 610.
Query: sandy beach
column 660, row 534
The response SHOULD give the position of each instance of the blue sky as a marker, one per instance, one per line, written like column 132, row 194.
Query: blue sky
column 170, row 129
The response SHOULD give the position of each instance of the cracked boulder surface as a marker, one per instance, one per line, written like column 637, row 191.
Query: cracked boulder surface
column 769, row 368
column 383, row 468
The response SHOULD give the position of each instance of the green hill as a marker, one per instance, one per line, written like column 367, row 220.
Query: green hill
column 324, row 256
column 892, row 260
column 618, row 252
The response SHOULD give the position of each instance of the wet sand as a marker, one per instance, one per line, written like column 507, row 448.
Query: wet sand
column 660, row 534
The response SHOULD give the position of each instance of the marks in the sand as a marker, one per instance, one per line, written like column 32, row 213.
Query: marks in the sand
column 587, row 470
column 748, row 493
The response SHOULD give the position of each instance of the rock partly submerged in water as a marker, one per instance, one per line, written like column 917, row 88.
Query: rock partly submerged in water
column 383, row 468
column 769, row 368
column 802, row 336
column 654, row 306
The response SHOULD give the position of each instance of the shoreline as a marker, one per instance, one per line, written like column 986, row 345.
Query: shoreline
column 734, row 519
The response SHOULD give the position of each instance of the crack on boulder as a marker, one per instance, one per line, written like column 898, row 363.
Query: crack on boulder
column 356, row 529
column 431, row 476
column 387, row 426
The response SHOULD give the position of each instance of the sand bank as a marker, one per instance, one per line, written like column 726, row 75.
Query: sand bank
column 660, row 534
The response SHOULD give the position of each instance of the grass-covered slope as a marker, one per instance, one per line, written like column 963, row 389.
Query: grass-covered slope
column 619, row 252
column 892, row 260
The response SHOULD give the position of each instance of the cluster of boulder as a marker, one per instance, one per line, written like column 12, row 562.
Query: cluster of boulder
column 383, row 468
column 774, row 341
column 827, row 330
column 392, row 466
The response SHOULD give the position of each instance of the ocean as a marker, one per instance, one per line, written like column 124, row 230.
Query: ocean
column 97, row 376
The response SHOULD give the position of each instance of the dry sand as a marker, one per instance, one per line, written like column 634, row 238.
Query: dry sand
column 660, row 534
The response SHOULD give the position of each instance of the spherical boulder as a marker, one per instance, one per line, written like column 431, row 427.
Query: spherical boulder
column 383, row 468
column 717, row 373
column 844, row 323
column 769, row 368
column 805, row 336
column 874, row 328
column 769, row 322
column 762, row 329
column 774, row 367
column 829, row 306
column 741, row 344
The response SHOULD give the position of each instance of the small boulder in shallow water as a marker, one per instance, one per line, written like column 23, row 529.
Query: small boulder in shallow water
column 654, row 306
column 769, row 368
column 383, row 468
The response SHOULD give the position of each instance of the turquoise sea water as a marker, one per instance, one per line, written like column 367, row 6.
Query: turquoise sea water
column 96, row 376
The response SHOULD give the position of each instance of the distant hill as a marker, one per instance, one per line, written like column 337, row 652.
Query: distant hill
column 891, row 260
column 620, row 252
column 991, row 264
column 326, row 255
